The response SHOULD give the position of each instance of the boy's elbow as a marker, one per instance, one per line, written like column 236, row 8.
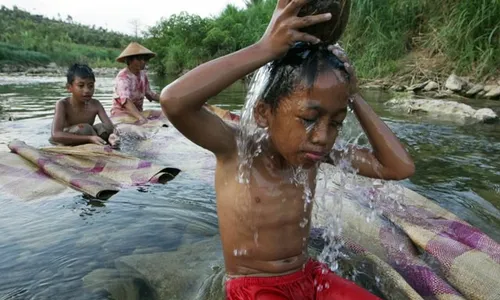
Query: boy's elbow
column 404, row 172
column 170, row 105
column 55, row 137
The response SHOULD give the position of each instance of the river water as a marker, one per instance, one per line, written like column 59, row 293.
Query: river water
column 47, row 247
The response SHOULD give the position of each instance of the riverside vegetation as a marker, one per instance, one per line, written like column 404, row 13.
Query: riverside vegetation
column 411, row 45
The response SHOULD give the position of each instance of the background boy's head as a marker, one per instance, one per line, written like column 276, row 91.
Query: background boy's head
column 80, row 81
column 304, row 103
column 82, row 71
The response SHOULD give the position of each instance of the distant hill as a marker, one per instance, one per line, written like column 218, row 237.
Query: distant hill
column 30, row 40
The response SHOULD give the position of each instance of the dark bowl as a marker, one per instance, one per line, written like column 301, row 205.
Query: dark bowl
column 330, row 31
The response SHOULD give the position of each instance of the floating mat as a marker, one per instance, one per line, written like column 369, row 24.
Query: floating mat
column 95, row 170
column 21, row 179
column 128, row 125
column 437, row 254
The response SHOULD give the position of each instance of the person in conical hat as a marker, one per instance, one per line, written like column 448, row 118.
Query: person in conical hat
column 132, row 83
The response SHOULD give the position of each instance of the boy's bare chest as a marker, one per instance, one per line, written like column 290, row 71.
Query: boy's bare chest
column 80, row 115
column 269, row 201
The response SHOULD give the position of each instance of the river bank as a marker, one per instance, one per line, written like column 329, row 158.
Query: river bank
column 49, row 70
column 453, row 87
column 456, row 98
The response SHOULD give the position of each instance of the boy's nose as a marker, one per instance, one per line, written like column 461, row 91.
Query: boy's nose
column 319, row 136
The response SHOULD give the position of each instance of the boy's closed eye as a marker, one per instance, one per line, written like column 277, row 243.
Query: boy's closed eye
column 336, row 124
column 308, row 120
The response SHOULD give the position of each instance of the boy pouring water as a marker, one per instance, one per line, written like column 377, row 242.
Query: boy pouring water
column 302, row 107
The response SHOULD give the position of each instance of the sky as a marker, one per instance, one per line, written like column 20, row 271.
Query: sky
column 120, row 15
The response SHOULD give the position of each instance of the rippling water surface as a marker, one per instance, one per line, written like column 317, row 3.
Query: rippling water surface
column 47, row 247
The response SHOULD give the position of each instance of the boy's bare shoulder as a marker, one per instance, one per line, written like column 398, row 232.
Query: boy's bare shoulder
column 94, row 101
column 62, row 102
column 235, row 131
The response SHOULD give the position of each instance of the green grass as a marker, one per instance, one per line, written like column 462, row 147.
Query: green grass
column 64, row 54
column 463, row 34
column 10, row 54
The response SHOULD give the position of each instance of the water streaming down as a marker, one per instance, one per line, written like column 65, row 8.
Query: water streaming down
column 250, row 135
column 342, row 182
column 336, row 183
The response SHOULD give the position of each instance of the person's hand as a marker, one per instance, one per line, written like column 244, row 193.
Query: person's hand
column 114, row 140
column 142, row 121
column 283, row 29
column 97, row 140
column 353, row 80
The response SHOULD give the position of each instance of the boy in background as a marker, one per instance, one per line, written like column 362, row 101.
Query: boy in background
column 74, row 116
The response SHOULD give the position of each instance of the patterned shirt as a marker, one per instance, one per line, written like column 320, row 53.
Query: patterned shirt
column 130, row 87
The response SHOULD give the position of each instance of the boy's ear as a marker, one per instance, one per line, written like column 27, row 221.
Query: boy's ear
column 261, row 114
column 68, row 87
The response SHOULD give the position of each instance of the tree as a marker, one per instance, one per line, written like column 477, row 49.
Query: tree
column 136, row 27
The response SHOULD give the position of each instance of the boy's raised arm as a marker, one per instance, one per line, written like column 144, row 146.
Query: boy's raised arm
column 182, row 101
column 389, row 159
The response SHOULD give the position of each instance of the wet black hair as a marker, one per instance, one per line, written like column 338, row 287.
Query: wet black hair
column 79, row 70
column 298, row 68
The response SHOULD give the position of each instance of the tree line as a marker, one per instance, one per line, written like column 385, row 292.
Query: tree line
column 383, row 37
column 34, row 39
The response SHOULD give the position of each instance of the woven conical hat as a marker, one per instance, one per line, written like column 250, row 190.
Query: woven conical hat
column 134, row 49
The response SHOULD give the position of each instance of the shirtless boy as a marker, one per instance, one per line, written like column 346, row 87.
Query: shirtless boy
column 74, row 116
column 302, row 110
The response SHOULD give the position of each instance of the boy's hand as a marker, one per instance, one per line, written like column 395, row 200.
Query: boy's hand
column 283, row 29
column 97, row 140
column 114, row 140
column 353, row 80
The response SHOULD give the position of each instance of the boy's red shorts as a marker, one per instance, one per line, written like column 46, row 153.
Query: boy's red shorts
column 315, row 281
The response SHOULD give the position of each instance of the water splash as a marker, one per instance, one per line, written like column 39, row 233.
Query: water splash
column 342, row 182
column 240, row 252
column 346, row 184
column 250, row 138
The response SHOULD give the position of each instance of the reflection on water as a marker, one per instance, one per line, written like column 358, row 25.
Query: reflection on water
column 48, row 247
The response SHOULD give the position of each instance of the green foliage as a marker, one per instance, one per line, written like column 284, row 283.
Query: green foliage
column 465, row 32
column 380, row 34
column 184, row 41
column 35, row 40
column 67, row 54
column 12, row 54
